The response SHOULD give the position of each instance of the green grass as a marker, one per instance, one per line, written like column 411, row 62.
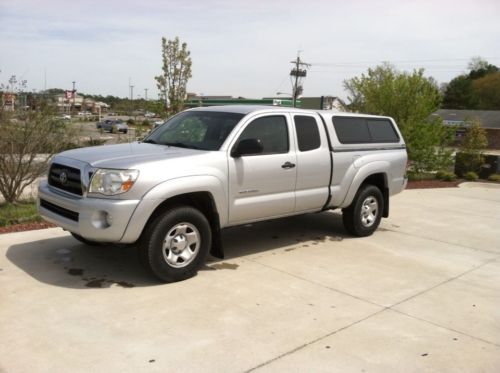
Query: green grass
column 21, row 212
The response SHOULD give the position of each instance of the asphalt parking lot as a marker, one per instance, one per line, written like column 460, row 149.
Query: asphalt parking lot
column 297, row 294
column 88, row 130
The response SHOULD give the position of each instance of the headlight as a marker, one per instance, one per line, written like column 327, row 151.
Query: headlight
column 110, row 182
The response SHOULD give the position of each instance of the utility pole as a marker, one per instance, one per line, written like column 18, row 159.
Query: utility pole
column 298, row 72
column 145, row 94
column 74, row 98
column 131, row 91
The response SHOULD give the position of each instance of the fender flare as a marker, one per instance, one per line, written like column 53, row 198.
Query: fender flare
column 368, row 169
column 172, row 188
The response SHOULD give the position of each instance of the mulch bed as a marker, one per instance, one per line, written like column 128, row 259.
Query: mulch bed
column 26, row 227
column 422, row 184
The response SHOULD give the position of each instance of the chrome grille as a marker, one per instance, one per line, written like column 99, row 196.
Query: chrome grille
column 65, row 178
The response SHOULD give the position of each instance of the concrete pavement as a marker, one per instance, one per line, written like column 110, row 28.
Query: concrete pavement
column 298, row 294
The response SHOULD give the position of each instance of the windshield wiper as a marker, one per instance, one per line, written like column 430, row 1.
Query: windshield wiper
column 149, row 141
column 181, row 145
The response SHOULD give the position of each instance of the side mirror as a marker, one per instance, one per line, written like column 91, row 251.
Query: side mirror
column 247, row 147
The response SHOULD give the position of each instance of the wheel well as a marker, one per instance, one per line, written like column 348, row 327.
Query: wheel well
column 380, row 181
column 202, row 201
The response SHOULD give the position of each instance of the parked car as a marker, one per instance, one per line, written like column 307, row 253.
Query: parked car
column 150, row 115
column 65, row 117
column 113, row 125
column 211, row 168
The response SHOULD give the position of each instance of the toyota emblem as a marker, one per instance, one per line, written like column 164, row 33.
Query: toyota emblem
column 63, row 177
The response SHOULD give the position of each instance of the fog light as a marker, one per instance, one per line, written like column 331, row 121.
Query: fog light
column 109, row 219
column 101, row 219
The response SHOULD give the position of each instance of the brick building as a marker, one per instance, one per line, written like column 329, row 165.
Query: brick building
column 489, row 119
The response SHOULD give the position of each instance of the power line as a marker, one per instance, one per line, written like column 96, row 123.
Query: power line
column 396, row 61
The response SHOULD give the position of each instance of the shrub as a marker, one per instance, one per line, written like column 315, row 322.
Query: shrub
column 471, row 176
column 130, row 121
column 494, row 177
column 93, row 142
column 471, row 157
column 419, row 176
column 440, row 174
column 445, row 175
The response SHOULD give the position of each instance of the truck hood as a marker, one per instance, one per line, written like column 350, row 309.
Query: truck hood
column 127, row 155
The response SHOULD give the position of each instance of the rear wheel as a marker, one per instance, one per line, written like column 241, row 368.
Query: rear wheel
column 363, row 216
column 176, row 244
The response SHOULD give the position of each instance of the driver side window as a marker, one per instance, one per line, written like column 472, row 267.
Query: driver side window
column 272, row 131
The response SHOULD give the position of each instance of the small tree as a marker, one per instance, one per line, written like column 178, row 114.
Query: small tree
column 474, row 142
column 427, row 145
column 410, row 98
column 28, row 139
column 176, row 71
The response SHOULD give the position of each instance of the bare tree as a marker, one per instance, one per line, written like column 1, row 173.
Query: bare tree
column 176, row 71
column 28, row 139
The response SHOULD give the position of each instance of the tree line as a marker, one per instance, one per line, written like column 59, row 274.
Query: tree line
column 477, row 89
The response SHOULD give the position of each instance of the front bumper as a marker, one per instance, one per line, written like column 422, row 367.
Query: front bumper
column 96, row 219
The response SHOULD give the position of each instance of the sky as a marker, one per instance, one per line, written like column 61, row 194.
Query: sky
column 239, row 48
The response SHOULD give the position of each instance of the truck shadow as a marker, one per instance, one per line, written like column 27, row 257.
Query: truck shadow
column 293, row 233
column 65, row 262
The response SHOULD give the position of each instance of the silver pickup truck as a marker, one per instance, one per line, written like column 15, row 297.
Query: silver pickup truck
column 206, row 169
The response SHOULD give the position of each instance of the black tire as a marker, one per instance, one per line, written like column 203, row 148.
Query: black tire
column 85, row 241
column 175, row 228
column 359, row 223
column 125, row 131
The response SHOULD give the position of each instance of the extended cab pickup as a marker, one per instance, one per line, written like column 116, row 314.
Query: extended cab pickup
column 206, row 169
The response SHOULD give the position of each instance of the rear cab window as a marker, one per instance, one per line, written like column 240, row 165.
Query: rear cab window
column 364, row 130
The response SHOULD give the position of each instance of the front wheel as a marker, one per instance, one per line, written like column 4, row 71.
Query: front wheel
column 363, row 216
column 176, row 244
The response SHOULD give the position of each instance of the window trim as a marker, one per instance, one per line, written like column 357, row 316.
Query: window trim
column 365, row 120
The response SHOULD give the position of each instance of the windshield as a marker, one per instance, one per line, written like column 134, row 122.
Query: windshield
column 205, row 130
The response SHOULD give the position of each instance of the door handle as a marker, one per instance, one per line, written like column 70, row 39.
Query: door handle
column 287, row 165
